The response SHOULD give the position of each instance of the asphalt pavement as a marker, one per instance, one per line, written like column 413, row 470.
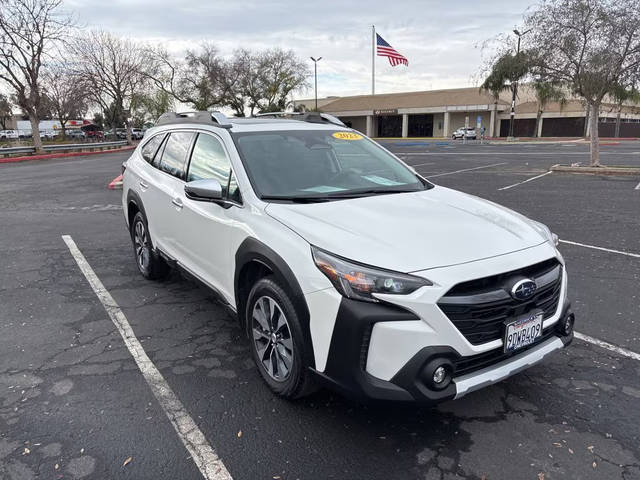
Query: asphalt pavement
column 73, row 403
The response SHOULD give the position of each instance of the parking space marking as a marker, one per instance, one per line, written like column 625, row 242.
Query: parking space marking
column 466, row 170
column 525, row 181
column 609, row 346
column 637, row 187
column 629, row 254
column 191, row 436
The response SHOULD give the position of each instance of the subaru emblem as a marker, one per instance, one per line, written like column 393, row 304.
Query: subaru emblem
column 523, row 289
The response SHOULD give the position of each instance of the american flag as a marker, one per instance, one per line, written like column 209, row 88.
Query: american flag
column 386, row 50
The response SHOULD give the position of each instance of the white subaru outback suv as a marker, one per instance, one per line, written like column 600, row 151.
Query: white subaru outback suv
column 343, row 265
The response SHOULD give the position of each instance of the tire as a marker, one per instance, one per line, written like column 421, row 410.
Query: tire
column 284, row 364
column 149, row 263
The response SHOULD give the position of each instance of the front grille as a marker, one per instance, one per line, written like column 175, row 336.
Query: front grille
column 464, row 365
column 480, row 308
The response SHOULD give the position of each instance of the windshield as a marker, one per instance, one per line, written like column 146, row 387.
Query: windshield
column 318, row 164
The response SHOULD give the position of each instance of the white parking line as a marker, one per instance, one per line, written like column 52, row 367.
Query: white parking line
column 191, row 436
column 524, row 181
column 637, row 187
column 466, row 170
column 628, row 254
column 614, row 348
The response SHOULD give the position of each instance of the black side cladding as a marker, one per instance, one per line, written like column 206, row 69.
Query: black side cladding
column 252, row 250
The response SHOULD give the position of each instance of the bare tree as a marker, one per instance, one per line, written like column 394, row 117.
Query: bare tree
column 277, row 73
column 589, row 45
column 255, row 81
column 112, row 70
column 29, row 30
column 6, row 111
column 66, row 94
column 195, row 80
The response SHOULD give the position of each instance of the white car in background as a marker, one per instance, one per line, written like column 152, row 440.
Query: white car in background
column 9, row 135
column 344, row 266
column 468, row 133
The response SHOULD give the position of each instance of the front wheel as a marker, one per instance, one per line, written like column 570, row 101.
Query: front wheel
column 277, row 341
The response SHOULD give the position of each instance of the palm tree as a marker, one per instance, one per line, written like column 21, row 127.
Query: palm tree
column 547, row 92
column 494, row 84
column 622, row 94
column 505, row 74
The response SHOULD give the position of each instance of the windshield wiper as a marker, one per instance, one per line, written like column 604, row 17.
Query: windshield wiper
column 371, row 191
column 294, row 199
column 327, row 197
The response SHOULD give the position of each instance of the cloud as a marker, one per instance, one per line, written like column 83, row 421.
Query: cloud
column 438, row 38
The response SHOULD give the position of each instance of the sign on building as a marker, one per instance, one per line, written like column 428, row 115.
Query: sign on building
column 386, row 111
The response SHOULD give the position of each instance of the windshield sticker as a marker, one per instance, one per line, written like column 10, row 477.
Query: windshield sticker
column 323, row 189
column 347, row 136
column 381, row 180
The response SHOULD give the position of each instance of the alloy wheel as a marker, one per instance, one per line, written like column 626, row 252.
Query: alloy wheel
column 141, row 244
column 272, row 338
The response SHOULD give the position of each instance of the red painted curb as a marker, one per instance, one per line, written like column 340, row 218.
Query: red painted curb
column 116, row 183
column 61, row 155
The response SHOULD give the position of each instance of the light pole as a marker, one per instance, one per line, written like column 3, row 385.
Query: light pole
column 515, row 86
column 315, row 76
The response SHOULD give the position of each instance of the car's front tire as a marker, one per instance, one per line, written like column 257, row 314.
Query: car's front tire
column 149, row 263
column 277, row 341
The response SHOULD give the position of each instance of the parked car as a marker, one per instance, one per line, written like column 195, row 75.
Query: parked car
column 136, row 133
column 75, row 133
column 469, row 133
column 48, row 134
column 94, row 134
column 343, row 265
column 8, row 135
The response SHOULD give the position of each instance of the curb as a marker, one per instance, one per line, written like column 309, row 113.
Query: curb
column 62, row 155
column 605, row 170
column 116, row 183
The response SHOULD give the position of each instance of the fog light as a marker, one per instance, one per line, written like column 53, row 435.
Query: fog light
column 567, row 328
column 439, row 375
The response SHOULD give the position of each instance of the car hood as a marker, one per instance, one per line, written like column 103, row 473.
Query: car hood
column 408, row 232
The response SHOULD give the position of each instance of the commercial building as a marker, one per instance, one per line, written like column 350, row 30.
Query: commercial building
column 438, row 113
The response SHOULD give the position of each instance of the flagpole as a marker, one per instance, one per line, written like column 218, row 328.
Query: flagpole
column 373, row 59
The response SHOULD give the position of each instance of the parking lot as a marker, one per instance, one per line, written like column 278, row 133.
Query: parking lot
column 74, row 404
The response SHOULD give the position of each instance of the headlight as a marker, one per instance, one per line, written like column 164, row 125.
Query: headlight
column 544, row 230
column 360, row 282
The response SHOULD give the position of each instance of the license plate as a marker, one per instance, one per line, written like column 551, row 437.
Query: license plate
column 523, row 331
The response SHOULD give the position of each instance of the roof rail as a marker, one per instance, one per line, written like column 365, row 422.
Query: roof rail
column 311, row 117
column 217, row 119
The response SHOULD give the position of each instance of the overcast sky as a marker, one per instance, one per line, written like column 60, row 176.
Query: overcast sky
column 440, row 39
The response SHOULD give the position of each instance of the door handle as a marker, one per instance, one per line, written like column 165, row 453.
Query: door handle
column 144, row 185
column 177, row 202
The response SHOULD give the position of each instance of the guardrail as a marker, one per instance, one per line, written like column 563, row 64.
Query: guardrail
column 5, row 152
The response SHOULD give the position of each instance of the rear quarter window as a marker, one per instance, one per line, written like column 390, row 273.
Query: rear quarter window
column 150, row 148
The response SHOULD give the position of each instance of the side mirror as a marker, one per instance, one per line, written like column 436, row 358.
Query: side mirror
column 207, row 190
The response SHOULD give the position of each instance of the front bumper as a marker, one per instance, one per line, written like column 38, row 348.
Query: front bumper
column 346, row 365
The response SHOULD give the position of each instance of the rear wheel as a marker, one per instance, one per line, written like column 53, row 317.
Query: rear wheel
column 277, row 342
column 149, row 263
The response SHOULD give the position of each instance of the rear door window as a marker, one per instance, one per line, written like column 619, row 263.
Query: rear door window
column 174, row 155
